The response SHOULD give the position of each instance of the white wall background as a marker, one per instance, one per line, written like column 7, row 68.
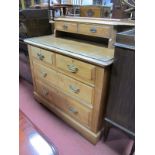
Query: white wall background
column 87, row 2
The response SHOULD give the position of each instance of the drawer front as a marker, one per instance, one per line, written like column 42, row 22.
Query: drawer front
column 66, row 26
column 75, row 109
column 76, row 88
column 69, row 106
column 95, row 30
column 46, row 92
column 45, row 74
column 43, row 55
column 75, row 67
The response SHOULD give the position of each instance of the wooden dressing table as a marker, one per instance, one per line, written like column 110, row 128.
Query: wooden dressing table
column 70, row 74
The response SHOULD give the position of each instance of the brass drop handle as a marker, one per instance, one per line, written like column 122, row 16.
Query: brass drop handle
column 93, row 30
column 72, row 68
column 72, row 110
column 65, row 27
column 45, row 92
column 74, row 89
column 40, row 56
column 44, row 74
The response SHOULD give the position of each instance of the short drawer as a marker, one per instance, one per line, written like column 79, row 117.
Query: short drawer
column 43, row 55
column 66, row 26
column 95, row 30
column 63, row 102
column 76, row 67
column 76, row 89
column 45, row 74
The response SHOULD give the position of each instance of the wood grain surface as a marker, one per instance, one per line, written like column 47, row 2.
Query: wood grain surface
column 92, row 53
column 97, row 20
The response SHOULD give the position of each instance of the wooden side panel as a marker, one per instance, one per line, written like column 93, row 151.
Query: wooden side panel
column 31, row 66
column 112, row 39
column 100, row 97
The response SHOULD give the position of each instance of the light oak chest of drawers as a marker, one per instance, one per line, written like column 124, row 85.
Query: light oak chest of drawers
column 70, row 77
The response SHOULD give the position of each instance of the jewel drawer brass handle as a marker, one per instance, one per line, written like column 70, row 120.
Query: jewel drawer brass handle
column 65, row 27
column 44, row 74
column 72, row 110
column 45, row 92
column 74, row 89
column 40, row 56
column 72, row 68
column 93, row 30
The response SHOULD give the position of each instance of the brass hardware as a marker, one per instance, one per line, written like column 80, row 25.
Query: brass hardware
column 65, row 27
column 45, row 92
column 40, row 56
column 90, row 13
column 72, row 110
column 72, row 68
column 44, row 74
column 74, row 89
column 93, row 30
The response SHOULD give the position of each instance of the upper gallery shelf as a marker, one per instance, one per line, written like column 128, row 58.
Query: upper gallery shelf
column 106, row 21
column 93, row 27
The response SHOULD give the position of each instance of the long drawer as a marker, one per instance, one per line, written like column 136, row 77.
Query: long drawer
column 47, row 92
column 49, row 76
column 70, row 106
column 43, row 55
column 66, row 26
column 75, row 67
column 95, row 30
column 70, row 86
column 76, row 89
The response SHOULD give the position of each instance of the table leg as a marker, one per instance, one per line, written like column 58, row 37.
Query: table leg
column 106, row 131
column 133, row 149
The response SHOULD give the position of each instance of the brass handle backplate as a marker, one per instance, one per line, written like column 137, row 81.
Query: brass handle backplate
column 93, row 30
column 44, row 74
column 40, row 56
column 45, row 92
column 74, row 89
column 65, row 27
column 72, row 110
column 72, row 68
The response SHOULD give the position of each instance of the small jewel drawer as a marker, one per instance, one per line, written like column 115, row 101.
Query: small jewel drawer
column 95, row 30
column 66, row 26
column 43, row 55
